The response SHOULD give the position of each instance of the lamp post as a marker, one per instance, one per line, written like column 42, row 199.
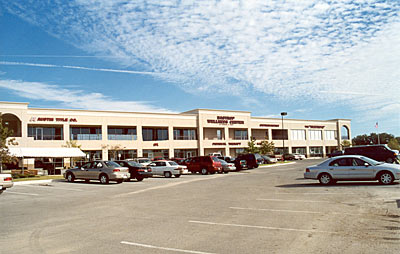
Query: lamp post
column 283, row 138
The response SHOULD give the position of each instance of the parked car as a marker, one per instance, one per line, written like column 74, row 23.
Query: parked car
column 289, row 157
column 299, row 156
column 167, row 168
column 269, row 160
column 227, row 167
column 143, row 161
column 158, row 158
column 204, row 165
column 336, row 153
column 376, row 152
column 227, row 159
column 353, row 168
column 180, row 161
column 104, row 171
column 251, row 161
column 136, row 170
column 6, row 181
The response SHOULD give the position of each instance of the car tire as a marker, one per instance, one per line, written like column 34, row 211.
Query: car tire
column 139, row 178
column 103, row 179
column 204, row 171
column 385, row 178
column 389, row 160
column 325, row 179
column 177, row 176
column 167, row 174
column 70, row 177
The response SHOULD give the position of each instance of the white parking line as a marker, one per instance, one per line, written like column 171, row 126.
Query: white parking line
column 52, row 187
column 261, row 227
column 22, row 193
column 315, row 193
column 164, row 248
column 287, row 200
column 291, row 211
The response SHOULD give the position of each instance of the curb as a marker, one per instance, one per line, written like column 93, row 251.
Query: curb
column 35, row 181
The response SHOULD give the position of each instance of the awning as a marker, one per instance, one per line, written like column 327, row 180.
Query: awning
column 46, row 152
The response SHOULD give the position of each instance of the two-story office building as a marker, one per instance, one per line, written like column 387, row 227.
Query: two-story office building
column 114, row 134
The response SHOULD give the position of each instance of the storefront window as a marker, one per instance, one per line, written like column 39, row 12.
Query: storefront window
column 278, row 134
column 85, row 133
column 45, row 133
column 241, row 135
column 155, row 134
column 122, row 133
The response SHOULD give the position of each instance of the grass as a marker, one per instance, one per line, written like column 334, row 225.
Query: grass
column 38, row 178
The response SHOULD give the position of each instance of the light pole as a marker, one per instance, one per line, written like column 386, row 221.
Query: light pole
column 283, row 138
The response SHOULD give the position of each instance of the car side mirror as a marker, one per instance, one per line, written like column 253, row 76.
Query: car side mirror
column 366, row 164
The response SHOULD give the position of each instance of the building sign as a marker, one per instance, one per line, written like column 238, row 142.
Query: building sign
column 225, row 120
column 315, row 126
column 52, row 119
column 235, row 144
column 219, row 144
column 269, row 125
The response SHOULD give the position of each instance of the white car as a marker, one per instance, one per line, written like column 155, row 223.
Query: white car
column 298, row 156
column 5, row 182
column 353, row 168
column 167, row 168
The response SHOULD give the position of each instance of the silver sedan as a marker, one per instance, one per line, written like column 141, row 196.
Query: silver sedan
column 353, row 168
column 104, row 171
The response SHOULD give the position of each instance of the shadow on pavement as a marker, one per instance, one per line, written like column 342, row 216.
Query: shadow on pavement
column 339, row 184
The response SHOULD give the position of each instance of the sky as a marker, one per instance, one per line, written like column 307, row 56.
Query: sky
column 313, row 59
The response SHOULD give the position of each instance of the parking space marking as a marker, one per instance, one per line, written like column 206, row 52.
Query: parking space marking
column 164, row 248
column 290, row 211
column 262, row 227
column 52, row 187
column 22, row 193
column 287, row 200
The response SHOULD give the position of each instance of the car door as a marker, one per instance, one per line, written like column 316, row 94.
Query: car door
column 97, row 168
column 339, row 168
column 161, row 167
column 360, row 170
column 84, row 171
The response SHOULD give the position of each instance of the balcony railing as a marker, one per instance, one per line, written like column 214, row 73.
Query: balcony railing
column 47, row 137
column 121, row 137
column 86, row 137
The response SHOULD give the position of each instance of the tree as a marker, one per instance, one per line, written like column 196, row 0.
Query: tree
column 73, row 144
column 267, row 147
column 345, row 143
column 114, row 150
column 252, row 146
column 5, row 141
column 371, row 139
column 394, row 144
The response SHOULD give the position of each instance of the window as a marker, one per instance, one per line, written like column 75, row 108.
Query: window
column 330, row 135
column 345, row 132
column 122, row 133
column 340, row 163
column 241, row 135
column 45, row 133
column 155, row 134
column 298, row 134
column 278, row 134
column 315, row 134
column 219, row 134
column 316, row 151
column 185, row 134
column 85, row 133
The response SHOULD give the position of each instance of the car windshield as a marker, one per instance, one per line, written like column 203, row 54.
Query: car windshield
column 111, row 164
column 371, row 161
column 134, row 164
column 173, row 163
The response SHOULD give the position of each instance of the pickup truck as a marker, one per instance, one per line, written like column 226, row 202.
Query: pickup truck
column 5, row 182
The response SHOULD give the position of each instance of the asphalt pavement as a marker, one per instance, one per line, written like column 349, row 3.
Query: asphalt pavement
column 264, row 210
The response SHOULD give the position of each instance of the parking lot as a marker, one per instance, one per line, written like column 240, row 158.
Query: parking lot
column 264, row 210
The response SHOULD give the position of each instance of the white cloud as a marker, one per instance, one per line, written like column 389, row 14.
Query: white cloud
column 324, row 51
column 76, row 98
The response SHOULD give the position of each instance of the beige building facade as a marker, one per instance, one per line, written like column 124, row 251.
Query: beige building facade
column 121, row 135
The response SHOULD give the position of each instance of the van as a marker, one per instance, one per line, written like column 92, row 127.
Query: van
column 376, row 152
column 205, row 165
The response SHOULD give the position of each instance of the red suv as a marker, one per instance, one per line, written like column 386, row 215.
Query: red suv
column 204, row 165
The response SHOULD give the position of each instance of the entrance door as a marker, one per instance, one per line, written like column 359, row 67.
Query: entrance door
column 39, row 133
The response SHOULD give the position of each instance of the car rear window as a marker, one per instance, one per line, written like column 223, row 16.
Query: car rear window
column 111, row 164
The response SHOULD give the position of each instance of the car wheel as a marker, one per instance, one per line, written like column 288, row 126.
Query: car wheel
column 325, row 179
column 103, row 179
column 139, row 178
column 389, row 160
column 70, row 177
column 177, row 176
column 204, row 171
column 167, row 174
column 385, row 178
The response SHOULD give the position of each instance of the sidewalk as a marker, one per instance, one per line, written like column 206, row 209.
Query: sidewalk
column 37, row 181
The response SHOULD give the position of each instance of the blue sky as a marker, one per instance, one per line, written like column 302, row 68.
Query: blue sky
column 314, row 59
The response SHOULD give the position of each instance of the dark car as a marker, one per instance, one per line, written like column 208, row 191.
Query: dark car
column 204, row 165
column 289, row 157
column 251, row 160
column 137, row 170
column 336, row 153
column 180, row 161
column 376, row 152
